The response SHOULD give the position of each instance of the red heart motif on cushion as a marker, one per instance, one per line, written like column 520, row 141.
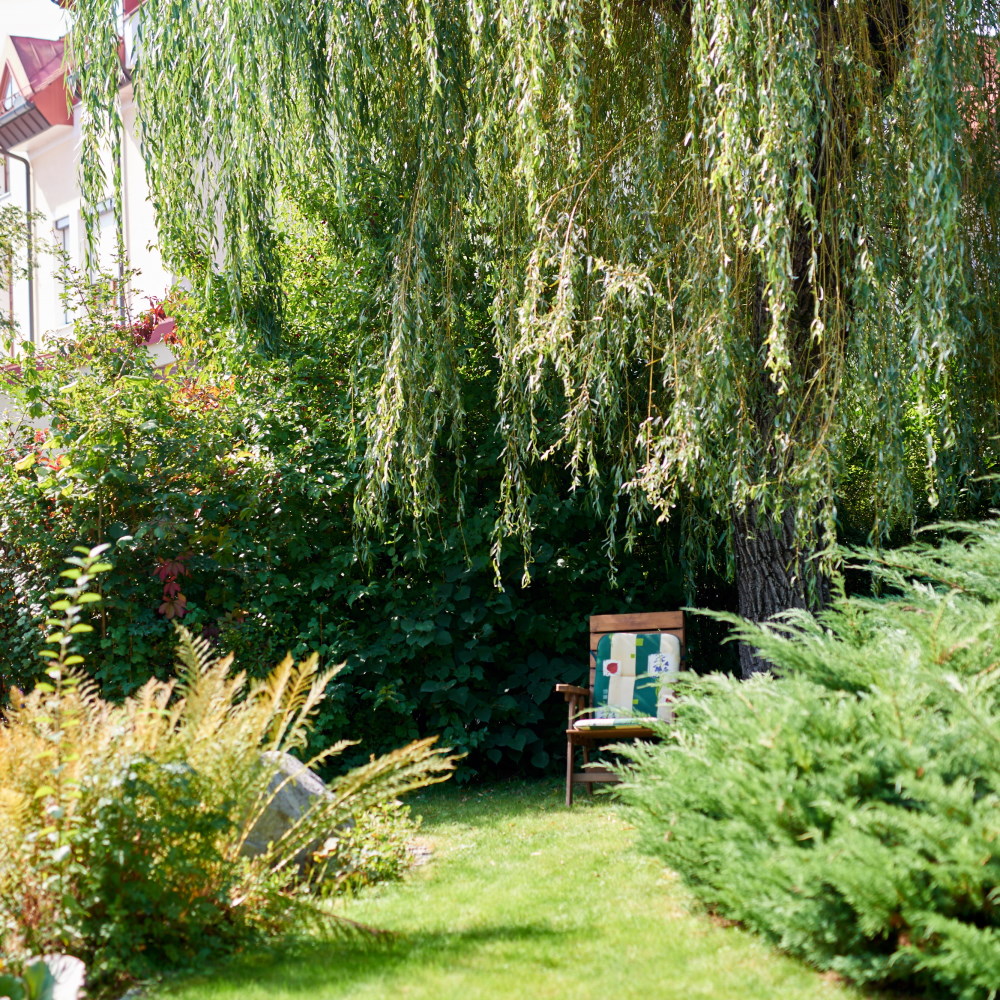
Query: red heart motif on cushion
column 612, row 668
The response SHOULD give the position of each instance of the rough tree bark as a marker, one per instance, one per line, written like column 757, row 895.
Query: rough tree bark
column 771, row 576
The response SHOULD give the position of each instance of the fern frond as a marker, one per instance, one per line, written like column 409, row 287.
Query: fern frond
column 304, row 705
column 382, row 780
column 271, row 691
column 194, row 655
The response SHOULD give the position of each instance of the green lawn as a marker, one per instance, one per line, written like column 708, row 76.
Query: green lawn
column 524, row 899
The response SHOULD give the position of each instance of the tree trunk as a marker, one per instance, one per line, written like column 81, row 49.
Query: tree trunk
column 771, row 576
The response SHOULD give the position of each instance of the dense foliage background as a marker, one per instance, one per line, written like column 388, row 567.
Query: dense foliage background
column 227, row 490
column 717, row 254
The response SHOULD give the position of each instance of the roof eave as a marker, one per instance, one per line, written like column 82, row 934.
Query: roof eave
column 21, row 124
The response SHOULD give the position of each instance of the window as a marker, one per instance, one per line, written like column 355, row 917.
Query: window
column 11, row 95
column 107, row 237
column 61, row 227
column 107, row 261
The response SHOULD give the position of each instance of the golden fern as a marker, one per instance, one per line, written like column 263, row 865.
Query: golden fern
column 194, row 654
column 214, row 725
column 381, row 780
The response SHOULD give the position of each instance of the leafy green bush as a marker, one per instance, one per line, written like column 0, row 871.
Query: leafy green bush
column 228, row 489
column 849, row 808
column 377, row 847
column 122, row 827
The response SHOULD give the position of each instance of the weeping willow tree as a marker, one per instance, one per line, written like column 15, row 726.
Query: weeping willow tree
column 731, row 248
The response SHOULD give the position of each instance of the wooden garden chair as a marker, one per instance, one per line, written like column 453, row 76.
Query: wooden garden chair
column 632, row 667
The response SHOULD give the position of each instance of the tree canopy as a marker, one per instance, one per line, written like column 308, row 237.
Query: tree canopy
column 728, row 249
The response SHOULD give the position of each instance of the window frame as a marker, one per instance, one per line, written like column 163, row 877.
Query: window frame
column 61, row 226
column 10, row 94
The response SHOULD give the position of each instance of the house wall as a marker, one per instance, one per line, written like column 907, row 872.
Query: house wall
column 55, row 158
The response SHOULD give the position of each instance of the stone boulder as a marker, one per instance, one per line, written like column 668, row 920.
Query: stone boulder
column 297, row 789
column 54, row 977
column 69, row 974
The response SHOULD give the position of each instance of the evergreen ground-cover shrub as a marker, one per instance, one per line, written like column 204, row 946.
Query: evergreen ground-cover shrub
column 122, row 826
column 849, row 808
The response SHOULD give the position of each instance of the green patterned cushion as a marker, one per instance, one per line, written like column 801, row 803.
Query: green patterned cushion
column 629, row 684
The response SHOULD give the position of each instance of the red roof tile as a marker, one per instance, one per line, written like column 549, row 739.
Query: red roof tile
column 41, row 58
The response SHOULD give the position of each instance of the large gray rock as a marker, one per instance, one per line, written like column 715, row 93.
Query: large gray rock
column 69, row 974
column 55, row 977
column 292, row 789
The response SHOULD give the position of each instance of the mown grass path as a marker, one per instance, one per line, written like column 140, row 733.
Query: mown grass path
column 524, row 899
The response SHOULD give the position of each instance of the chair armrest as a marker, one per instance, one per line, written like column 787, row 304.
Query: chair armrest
column 572, row 691
column 576, row 700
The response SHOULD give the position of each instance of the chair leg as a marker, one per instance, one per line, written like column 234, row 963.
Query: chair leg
column 586, row 761
column 569, row 773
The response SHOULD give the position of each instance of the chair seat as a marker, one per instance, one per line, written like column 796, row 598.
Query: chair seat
column 631, row 722
column 634, row 658
column 607, row 734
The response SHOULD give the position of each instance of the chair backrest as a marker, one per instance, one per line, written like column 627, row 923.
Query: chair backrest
column 652, row 621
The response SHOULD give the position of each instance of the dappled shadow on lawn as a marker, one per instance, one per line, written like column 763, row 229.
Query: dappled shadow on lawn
column 312, row 969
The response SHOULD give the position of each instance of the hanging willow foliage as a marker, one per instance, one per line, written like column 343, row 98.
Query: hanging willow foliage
column 730, row 245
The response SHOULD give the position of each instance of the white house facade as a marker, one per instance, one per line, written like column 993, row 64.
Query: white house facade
column 39, row 170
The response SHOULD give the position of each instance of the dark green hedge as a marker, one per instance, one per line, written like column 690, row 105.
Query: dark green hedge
column 228, row 497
